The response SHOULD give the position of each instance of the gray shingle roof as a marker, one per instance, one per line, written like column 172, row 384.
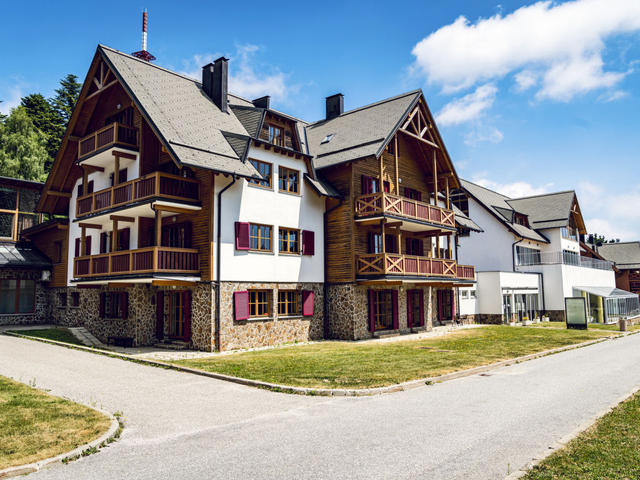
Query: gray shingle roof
column 464, row 221
column 357, row 133
column 551, row 210
column 624, row 255
column 498, row 205
column 322, row 187
column 183, row 115
column 22, row 255
column 250, row 117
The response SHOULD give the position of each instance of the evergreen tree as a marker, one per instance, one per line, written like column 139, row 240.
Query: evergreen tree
column 47, row 120
column 2, row 116
column 23, row 147
column 66, row 97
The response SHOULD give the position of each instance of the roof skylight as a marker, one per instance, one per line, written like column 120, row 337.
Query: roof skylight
column 328, row 138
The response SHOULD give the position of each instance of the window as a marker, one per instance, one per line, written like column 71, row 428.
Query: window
column 275, row 136
column 570, row 258
column 412, row 194
column 6, row 225
column 62, row 299
column 288, row 303
column 114, row 305
column 260, row 237
column 17, row 205
column 383, row 311
column 464, row 294
column 289, row 180
column 472, row 294
column 289, row 240
column 75, row 299
column 527, row 256
column 414, row 246
column 17, row 295
column 521, row 219
column 569, row 233
column 264, row 169
column 259, row 303
column 328, row 138
column 57, row 251
column 390, row 243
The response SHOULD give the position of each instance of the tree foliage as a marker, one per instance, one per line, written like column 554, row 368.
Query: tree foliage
column 46, row 119
column 596, row 239
column 23, row 147
column 66, row 97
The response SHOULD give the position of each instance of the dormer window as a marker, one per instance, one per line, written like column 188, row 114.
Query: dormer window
column 328, row 138
column 521, row 219
column 276, row 136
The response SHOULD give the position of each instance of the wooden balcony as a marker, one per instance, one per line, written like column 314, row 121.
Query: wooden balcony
column 409, row 265
column 140, row 261
column 155, row 185
column 381, row 203
column 115, row 134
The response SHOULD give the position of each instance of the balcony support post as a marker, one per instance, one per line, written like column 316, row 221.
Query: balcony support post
column 116, row 172
column 114, row 236
column 435, row 179
column 395, row 154
column 158, row 226
column 446, row 186
column 449, row 246
column 85, row 181
column 437, row 254
column 83, row 242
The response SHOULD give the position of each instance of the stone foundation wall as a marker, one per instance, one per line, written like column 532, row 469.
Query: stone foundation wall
column 556, row 315
column 39, row 314
column 274, row 330
column 70, row 316
column 489, row 319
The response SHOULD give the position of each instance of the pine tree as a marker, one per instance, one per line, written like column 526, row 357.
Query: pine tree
column 23, row 147
column 47, row 120
column 66, row 97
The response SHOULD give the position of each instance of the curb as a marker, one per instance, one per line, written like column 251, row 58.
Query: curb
column 106, row 437
column 562, row 443
column 327, row 392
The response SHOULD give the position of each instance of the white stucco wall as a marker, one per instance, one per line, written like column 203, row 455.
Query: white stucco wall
column 246, row 203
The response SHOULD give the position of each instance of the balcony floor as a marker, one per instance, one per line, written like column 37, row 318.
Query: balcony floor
column 408, row 224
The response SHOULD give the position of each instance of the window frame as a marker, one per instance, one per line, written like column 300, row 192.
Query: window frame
column 272, row 135
column 109, row 302
column 287, row 302
column 259, row 237
column 16, row 305
column 282, row 169
column 381, row 309
column 254, row 303
column 259, row 183
column 289, row 231
column 75, row 299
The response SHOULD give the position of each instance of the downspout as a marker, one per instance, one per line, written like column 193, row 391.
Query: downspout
column 456, row 245
column 325, row 301
column 218, row 257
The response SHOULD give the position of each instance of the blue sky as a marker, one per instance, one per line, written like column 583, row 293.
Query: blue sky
column 530, row 97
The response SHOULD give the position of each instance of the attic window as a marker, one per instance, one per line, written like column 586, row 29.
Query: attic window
column 328, row 138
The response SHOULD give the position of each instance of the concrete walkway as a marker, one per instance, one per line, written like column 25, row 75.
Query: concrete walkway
column 182, row 426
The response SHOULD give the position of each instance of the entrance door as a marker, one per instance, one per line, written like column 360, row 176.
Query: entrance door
column 445, row 306
column 180, row 315
column 507, row 309
column 415, row 308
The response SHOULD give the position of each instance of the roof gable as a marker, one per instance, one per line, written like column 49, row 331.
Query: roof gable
column 622, row 254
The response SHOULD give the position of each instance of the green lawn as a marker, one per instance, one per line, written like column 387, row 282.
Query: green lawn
column 375, row 364
column 56, row 333
column 610, row 449
column 592, row 326
column 35, row 425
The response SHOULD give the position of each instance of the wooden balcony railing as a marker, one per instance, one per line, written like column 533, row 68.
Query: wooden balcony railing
column 157, row 184
column 113, row 134
column 397, row 264
column 385, row 203
column 141, row 260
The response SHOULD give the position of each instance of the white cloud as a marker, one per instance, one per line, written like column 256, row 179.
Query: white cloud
column 609, row 212
column 512, row 190
column 469, row 107
column 483, row 133
column 562, row 42
column 243, row 79
column 11, row 100
column 610, row 230
column 613, row 96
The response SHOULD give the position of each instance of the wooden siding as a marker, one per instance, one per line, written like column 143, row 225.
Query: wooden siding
column 45, row 241
column 340, row 228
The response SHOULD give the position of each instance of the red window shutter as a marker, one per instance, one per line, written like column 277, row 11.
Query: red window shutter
column 366, row 184
column 241, row 305
column 87, row 249
column 394, row 298
column 124, row 304
column 242, row 236
column 372, row 310
column 453, row 304
column 308, row 242
column 308, row 304
column 421, row 248
column 145, row 232
column 102, row 302
column 90, row 187
column 410, row 298
column 370, row 242
column 77, row 248
column 421, row 321
column 122, row 176
column 160, row 315
column 187, row 315
column 386, row 186
column 103, row 242
column 125, row 235
column 79, row 190
column 440, row 307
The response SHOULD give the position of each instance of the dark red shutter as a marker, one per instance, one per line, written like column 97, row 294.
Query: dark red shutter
column 440, row 307
column 187, row 235
column 453, row 304
column 308, row 242
column 187, row 315
column 102, row 302
column 390, row 243
column 122, row 176
column 410, row 298
column 371, row 242
column 242, row 236
column 308, row 306
column 103, row 242
column 160, row 315
column 80, row 190
column 386, row 186
column 241, row 305
column 421, row 321
column 124, row 304
column 90, row 187
column 394, row 298
column 87, row 248
column 145, row 232
column 421, row 248
column 77, row 248
column 372, row 310
column 125, row 235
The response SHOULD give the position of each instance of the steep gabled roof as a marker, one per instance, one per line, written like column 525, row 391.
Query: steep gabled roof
column 185, row 119
column 624, row 255
column 358, row 133
column 498, row 204
column 550, row 210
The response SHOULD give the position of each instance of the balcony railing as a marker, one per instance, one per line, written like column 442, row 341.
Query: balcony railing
column 397, row 264
column 380, row 203
column 113, row 134
column 141, row 260
column 157, row 184
column 526, row 259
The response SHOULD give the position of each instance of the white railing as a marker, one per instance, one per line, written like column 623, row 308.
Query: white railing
column 529, row 258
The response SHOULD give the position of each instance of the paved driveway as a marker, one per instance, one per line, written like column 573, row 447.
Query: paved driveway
column 184, row 426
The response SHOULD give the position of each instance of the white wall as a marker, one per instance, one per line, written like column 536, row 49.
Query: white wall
column 246, row 203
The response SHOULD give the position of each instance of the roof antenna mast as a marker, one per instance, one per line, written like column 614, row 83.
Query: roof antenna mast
column 143, row 54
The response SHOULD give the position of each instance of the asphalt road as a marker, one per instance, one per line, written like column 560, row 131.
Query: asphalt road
column 181, row 426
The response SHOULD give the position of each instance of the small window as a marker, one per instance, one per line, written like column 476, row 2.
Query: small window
column 328, row 138
column 62, row 299
column 259, row 303
column 8, row 198
column 276, row 136
column 289, row 240
column 288, row 303
column 17, row 295
column 57, row 251
column 289, row 180
column 113, row 305
column 260, row 237
column 464, row 294
column 265, row 170
column 75, row 299
column 472, row 293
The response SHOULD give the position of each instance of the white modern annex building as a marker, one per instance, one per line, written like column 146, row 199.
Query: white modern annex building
column 529, row 257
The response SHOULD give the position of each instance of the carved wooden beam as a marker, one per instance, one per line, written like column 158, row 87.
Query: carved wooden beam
column 413, row 135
